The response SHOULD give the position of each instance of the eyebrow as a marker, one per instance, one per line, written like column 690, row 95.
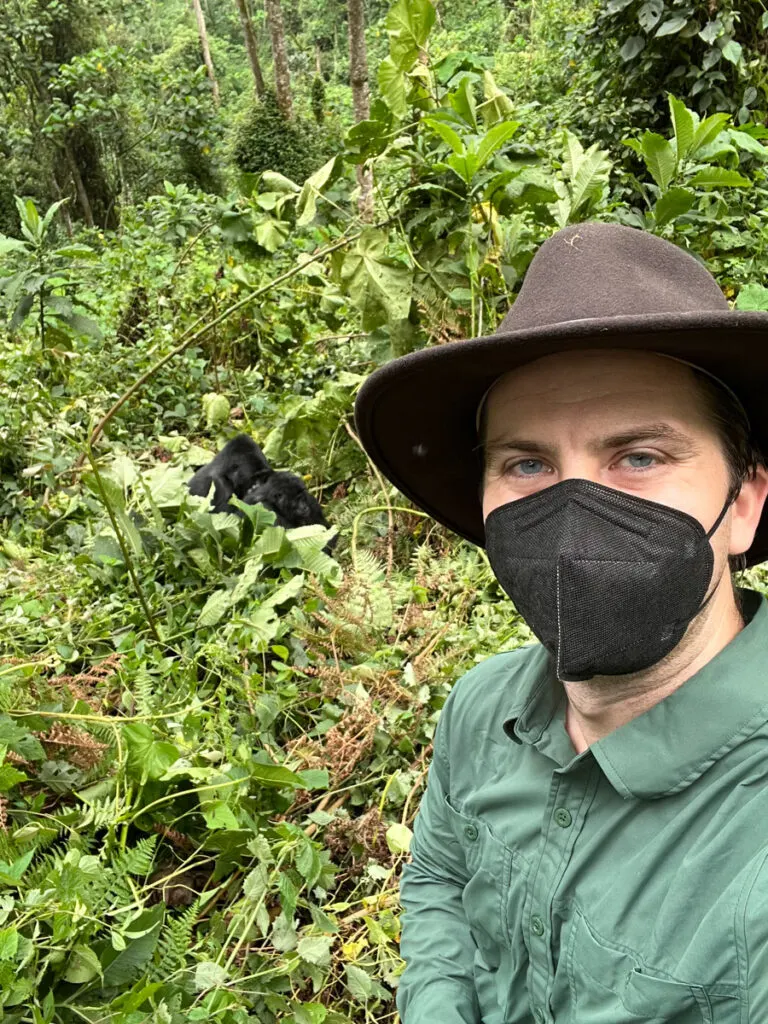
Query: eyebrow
column 632, row 435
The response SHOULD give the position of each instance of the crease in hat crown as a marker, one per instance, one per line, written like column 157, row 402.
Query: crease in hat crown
column 595, row 271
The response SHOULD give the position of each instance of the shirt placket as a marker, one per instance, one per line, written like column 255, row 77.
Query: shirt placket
column 570, row 794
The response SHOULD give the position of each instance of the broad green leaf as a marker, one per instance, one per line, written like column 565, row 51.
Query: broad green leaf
column 274, row 775
column 20, row 313
column 586, row 172
column 315, row 949
column 633, row 46
column 753, row 296
column 673, row 203
column 716, row 177
column 11, row 245
column 215, row 608
column 751, row 145
column 287, row 592
column 447, row 134
column 9, row 943
column 494, row 139
column 123, row 968
column 312, row 190
column 50, row 214
column 76, row 251
column 649, row 14
column 209, row 975
column 732, row 51
column 359, row 983
column 30, row 220
column 408, row 25
column 314, row 778
column 216, row 410
column 497, row 105
column 614, row 6
column 672, row 26
column 463, row 166
column 660, row 159
column 399, row 838
column 308, row 863
column 708, row 131
column 462, row 100
column 10, row 777
column 271, row 233
column 10, row 874
column 379, row 286
column 279, row 183
column 711, row 31
column 362, row 986
column 83, row 966
column 148, row 758
column 218, row 815
column 20, row 740
column 682, row 121
column 392, row 87
column 283, row 935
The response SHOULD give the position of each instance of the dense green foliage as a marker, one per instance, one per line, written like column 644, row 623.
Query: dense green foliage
column 214, row 737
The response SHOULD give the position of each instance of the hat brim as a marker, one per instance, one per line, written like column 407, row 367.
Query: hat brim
column 416, row 415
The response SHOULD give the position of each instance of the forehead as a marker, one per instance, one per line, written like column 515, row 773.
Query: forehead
column 595, row 385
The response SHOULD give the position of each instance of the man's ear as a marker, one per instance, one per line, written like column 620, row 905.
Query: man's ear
column 746, row 511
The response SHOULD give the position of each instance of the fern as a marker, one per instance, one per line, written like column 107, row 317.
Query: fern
column 138, row 860
column 143, row 692
column 176, row 940
column 116, row 888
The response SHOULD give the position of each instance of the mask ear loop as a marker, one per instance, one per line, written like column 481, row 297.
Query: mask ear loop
column 733, row 494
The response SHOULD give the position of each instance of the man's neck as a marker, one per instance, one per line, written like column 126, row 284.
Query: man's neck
column 604, row 703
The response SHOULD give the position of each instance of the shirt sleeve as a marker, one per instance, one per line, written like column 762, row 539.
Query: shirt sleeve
column 438, row 981
column 756, row 946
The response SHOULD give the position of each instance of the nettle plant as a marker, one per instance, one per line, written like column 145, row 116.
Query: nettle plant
column 41, row 286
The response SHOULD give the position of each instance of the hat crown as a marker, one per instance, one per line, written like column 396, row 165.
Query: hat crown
column 597, row 271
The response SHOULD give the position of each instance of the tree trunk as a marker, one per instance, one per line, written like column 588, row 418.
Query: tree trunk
column 82, row 195
column 202, row 32
column 250, row 45
column 358, row 79
column 280, row 57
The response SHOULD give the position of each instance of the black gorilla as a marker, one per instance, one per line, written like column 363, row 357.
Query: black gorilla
column 241, row 469
column 286, row 496
column 236, row 468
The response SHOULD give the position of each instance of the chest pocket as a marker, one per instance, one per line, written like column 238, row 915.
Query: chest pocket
column 609, row 985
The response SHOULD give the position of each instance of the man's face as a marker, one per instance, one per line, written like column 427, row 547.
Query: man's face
column 633, row 421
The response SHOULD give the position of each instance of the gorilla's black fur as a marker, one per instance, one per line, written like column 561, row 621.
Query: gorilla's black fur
column 235, row 469
column 241, row 469
column 286, row 495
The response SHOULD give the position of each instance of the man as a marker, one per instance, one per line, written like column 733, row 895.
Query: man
column 592, row 845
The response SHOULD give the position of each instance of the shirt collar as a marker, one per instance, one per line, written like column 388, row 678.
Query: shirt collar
column 668, row 747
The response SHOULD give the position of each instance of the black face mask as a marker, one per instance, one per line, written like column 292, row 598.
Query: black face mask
column 608, row 582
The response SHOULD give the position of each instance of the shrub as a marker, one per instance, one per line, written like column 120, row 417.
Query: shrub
column 265, row 141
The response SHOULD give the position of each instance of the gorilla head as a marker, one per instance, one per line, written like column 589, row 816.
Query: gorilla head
column 238, row 465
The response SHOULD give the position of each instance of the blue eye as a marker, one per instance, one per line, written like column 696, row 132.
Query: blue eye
column 529, row 467
column 645, row 460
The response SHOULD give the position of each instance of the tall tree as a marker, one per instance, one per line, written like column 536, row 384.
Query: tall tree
column 203, row 33
column 358, row 79
column 280, row 57
column 250, row 45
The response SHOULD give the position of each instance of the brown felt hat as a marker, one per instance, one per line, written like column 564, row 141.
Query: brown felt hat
column 589, row 286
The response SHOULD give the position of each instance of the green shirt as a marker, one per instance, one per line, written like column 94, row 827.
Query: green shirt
column 627, row 883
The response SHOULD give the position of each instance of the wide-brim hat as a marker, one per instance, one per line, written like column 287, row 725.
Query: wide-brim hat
column 589, row 286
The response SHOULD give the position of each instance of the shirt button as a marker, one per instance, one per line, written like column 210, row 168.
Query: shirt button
column 538, row 1015
column 470, row 831
column 562, row 817
column 537, row 926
